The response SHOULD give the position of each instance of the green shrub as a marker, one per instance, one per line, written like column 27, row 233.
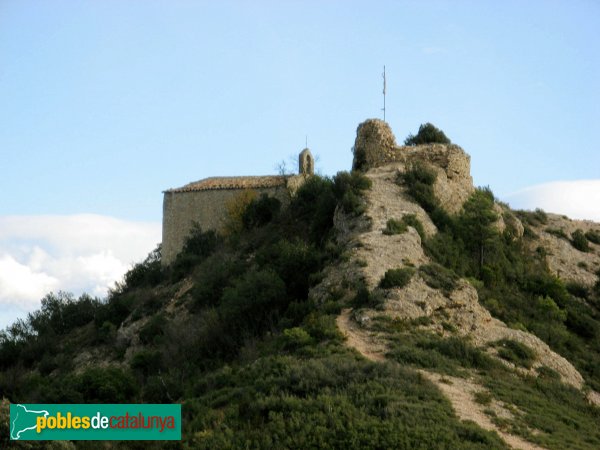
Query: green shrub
column 533, row 218
column 116, row 309
column 62, row 312
column 348, row 189
column 593, row 236
column 105, row 385
column 557, row 410
column 548, row 373
column 253, row 303
column 529, row 233
column 427, row 134
column 106, row 333
column 548, row 310
column 544, row 284
column 367, row 299
column 394, row 226
column 313, row 206
column 216, row 338
column 350, row 181
column 438, row 277
column 396, row 278
column 540, row 216
column 411, row 220
column 147, row 273
column 581, row 320
column 314, row 203
column 579, row 241
column 447, row 326
column 419, row 180
column 293, row 261
column 215, row 275
column 200, row 243
column 294, row 338
column 407, row 354
column 558, row 232
column 431, row 351
column 323, row 327
column 337, row 401
column 578, row 289
column 448, row 250
column 153, row 330
column 147, row 362
column 421, row 321
column 161, row 389
column 198, row 246
column 47, row 364
column 483, row 397
column 460, row 350
column 515, row 352
column 260, row 211
column 235, row 207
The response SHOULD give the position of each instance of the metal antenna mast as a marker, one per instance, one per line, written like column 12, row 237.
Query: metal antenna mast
column 384, row 93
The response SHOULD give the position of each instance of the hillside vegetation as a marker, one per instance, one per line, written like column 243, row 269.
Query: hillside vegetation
column 241, row 329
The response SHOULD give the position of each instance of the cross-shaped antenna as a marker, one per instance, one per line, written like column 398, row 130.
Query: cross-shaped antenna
column 384, row 86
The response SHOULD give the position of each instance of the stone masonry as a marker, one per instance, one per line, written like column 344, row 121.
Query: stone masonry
column 205, row 202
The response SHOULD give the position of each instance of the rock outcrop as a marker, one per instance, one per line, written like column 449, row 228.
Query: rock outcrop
column 564, row 260
column 370, row 252
column 375, row 147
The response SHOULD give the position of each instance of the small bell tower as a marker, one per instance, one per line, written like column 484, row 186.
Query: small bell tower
column 306, row 163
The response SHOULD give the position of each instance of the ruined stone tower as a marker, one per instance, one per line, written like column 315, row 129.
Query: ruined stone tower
column 375, row 143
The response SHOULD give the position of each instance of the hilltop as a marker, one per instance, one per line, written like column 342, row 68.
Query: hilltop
column 394, row 306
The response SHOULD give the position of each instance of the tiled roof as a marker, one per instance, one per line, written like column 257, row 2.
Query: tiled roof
column 233, row 183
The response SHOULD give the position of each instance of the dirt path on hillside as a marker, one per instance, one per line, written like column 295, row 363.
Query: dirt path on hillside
column 359, row 339
column 459, row 391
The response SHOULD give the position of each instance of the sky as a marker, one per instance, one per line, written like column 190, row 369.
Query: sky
column 106, row 103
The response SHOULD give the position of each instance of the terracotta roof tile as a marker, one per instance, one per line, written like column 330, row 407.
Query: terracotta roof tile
column 214, row 183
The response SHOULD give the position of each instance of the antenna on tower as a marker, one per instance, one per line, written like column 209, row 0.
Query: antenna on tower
column 306, row 141
column 384, row 88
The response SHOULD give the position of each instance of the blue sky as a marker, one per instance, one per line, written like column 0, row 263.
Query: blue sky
column 104, row 104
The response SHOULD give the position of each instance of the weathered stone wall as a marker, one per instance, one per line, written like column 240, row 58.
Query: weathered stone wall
column 208, row 208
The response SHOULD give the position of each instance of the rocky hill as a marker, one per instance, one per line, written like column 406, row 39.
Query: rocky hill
column 397, row 306
column 373, row 251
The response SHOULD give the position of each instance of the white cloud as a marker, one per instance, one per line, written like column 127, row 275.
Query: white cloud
column 77, row 253
column 578, row 199
column 22, row 285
